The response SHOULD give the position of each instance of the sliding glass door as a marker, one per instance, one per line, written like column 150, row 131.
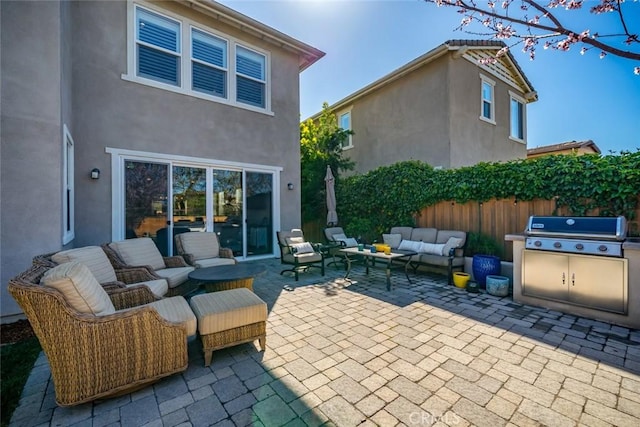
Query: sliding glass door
column 164, row 198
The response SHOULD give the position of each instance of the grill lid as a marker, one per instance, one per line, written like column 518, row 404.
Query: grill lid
column 585, row 227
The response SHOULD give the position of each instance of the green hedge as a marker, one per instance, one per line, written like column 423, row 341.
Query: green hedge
column 390, row 196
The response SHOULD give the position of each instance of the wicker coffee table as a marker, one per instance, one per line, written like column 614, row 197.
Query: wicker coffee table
column 225, row 277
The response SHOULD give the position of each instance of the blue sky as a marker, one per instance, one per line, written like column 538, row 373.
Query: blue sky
column 580, row 96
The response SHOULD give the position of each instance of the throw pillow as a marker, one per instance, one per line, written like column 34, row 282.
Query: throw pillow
column 302, row 248
column 431, row 248
column 293, row 240
column 410, row 245
column 453, row 242
column 392, row 240
column 349, row 242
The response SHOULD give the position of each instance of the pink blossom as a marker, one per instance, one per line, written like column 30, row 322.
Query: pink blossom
column 466, row 21
column 583, row 50
column 574, row 5
column 636, row 71
column 486, row 22
column 487, row 61
column 602, row 54
column 547, row 45
column 491, row 4
column 583, row 35
column 502, row 52
column 505, row 4
column 535, row 20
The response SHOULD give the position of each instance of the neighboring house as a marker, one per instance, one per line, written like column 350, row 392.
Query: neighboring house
column 444, row 108
column 125, row 118
column 572, row 147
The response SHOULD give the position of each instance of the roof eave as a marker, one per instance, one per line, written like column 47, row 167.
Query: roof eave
column 307, row 54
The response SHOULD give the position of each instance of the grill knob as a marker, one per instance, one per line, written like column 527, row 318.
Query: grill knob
column 537, row 243
column 557, row 245
column 579, row 246
column 603, row 248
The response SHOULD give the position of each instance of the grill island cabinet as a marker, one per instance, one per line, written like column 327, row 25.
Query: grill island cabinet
column 590, row 281
column 602, row 280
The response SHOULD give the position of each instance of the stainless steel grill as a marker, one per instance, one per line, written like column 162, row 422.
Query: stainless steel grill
column 581, row 235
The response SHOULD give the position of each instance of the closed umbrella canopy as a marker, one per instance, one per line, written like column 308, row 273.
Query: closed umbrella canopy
column 332, row 215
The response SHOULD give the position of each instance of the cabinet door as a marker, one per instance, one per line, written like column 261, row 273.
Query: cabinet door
column 544, row 275
column 598, row 282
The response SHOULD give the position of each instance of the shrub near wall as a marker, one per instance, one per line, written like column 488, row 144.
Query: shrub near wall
column 370, row 204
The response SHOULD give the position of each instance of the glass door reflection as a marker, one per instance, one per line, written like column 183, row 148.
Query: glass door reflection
column 189, row 199
column 259, row 211
column 228, row 209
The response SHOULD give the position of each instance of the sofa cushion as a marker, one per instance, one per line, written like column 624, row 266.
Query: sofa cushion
column 91, row 256
column 201, row 245
column 302, row 258
column 213, row 262
column 453, row 242
column 444, row 235
column 410, row 245
column 338, row 237
column 175, row 276
column 393, row 240
column 176, row 310
column 431, row 248
column 158, row 287
column 226, row 310
column 427, row 235
column 79, row 288
column 405, row 232
column 439, row 260
column 140, row 251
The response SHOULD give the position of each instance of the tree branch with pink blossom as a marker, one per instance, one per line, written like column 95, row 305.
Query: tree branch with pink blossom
column 530, row 22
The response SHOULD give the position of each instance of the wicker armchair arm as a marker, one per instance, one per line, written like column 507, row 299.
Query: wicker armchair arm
column 226, row 253
column 130, row 275
column 132, row 296
column 190, row 259
column 111, row 286
column 174, row 261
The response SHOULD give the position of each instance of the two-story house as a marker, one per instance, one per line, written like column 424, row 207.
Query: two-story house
column 451, row 107
column 123, row 119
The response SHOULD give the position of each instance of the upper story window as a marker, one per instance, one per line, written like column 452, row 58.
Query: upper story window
column 487, row 104
column 158, row 47
column 250, row 67
column 344, row 121
column 171, row 52
column 518, row 118
column 208, row 63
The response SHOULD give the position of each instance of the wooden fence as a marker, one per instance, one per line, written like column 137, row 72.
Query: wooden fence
column 494, row 218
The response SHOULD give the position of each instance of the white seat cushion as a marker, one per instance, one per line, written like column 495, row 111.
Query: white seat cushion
column 393, row 240
column 431, row 248
column 410, row 245
column 201, row 245
column 159, row 287
column 79, row 288
column 176, row 310
column 140, row 251
column 212, row 262
column 175, row 276
column 91, row 256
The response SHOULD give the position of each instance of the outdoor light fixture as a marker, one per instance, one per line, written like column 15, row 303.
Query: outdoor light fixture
column 95, row 173
column 290, row 186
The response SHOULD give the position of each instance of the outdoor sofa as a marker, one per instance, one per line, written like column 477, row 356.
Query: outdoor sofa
column 435, row 248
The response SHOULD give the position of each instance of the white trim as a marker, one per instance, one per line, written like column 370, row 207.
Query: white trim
column 495, row 74
column 184, row 86
column 518, row 98
column 484, row 79
column 340, row 114
column 119, row 156
column 68, row 183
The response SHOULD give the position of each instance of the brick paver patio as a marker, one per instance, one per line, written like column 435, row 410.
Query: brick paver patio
column 354, row 354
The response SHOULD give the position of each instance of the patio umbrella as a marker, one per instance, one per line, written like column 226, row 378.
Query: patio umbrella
column 332, row 215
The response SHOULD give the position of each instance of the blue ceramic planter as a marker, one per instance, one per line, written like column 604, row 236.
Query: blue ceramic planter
column 483, row 266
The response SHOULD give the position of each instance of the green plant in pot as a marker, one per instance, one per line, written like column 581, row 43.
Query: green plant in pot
column 486, row 253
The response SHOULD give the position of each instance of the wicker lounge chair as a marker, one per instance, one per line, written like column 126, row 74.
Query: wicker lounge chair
column 142, row 252
column 138, row 340
column 100, row 266
column 202, row 249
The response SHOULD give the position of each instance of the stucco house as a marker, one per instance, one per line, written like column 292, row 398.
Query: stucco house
column 140, row 118
column 450, row 107
column 570, row 147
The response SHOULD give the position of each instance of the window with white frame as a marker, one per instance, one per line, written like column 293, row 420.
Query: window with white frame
column 517, row 106
column 344, row 121
column 171, row 52
column 487, row 104
column 250, row 79
column 208, row 63
column 68, row 220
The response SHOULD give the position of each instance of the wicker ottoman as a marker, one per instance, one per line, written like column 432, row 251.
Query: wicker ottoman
column 228, row 318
